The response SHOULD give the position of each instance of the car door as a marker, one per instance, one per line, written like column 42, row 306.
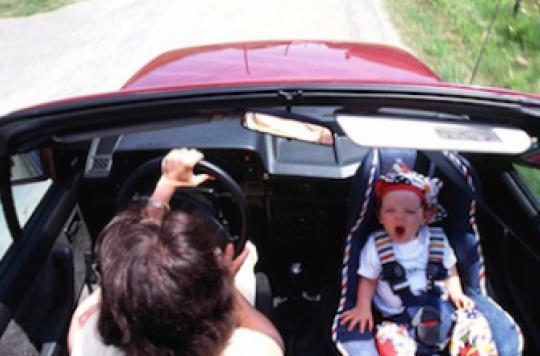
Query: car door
column 42, row 267
column 513, row 190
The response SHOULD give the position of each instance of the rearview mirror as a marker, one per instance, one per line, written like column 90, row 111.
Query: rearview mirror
column 287, row 127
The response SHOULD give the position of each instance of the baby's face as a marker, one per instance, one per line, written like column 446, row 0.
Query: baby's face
column 401, row 215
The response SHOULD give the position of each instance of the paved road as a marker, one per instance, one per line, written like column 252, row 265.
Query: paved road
column 96, row 45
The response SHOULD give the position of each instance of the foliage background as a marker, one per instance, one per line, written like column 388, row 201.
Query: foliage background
column 12, row 8
column 448, row 35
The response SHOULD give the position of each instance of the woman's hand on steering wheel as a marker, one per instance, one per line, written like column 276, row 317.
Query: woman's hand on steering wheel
column 176, row 172
column 177, row 168
column 232, row 263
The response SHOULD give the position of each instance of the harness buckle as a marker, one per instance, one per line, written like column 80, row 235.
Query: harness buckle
column 436, row 271
column 426, row 323
column 394, row 274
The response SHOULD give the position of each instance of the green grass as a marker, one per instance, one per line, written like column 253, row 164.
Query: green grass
column 531, row 177
column 14, row 8
column 448, row 35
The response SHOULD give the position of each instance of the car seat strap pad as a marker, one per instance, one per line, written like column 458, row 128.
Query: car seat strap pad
column 394, row 273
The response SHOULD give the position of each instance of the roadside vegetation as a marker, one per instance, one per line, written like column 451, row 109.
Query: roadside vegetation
column 14, row 8
column 532, row 178
column 448, row 36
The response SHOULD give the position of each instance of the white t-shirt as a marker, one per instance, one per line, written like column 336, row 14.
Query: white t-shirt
column 413, row 256
column 243, row 342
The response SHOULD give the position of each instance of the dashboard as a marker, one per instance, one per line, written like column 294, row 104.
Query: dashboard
column 297, row 192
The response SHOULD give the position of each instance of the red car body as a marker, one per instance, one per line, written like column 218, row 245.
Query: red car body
column 281, row 62
column 288, row 62
column 284, row 63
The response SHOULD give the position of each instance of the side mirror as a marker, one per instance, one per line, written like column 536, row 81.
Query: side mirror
column 287, row 127
column 26, row 167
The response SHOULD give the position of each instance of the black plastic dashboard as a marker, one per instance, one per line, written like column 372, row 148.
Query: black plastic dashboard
column 279, row 156
column 297, row 192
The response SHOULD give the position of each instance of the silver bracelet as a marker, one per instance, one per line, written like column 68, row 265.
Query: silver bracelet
column 159, row 204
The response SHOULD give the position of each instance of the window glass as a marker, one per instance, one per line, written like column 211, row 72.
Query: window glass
column 27, row 197
column 531, row 177
column 26, row 168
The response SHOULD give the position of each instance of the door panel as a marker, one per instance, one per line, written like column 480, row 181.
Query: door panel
column 42, row 274
column 509, row 262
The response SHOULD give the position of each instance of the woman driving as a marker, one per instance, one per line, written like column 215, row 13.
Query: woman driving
column 166, row 288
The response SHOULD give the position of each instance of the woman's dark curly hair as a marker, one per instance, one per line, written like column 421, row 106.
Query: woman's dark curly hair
column 164, row 290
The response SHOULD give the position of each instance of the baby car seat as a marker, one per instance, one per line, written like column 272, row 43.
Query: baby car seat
column 460, row 227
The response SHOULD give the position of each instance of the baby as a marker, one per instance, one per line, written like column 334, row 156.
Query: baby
column 400, row 264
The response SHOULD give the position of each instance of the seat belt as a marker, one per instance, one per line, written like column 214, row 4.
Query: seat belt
column 394, row 273
column 419, row 313
column 451, row 172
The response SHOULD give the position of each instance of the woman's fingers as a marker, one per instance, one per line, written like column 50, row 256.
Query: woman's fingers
column 228, row 255
column 177, row 167
column 234, row 263
column 185, row 156
column 201, row 178
column 239, row 260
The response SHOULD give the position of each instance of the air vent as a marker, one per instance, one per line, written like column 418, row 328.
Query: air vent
column 101, row 163
column 100, row 158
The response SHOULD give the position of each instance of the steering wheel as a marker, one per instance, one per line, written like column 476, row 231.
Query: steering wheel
column 130, row 186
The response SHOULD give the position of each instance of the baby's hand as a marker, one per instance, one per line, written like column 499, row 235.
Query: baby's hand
column 358, row 316
column 463, row 302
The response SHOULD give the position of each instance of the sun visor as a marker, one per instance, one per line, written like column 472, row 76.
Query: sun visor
column 377, row 131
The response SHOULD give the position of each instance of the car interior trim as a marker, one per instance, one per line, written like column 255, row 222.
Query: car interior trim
column 39, row 235
column 5, row 317
column 521, row 192
column 504, row 112
column 132, row 97
column 8, row 205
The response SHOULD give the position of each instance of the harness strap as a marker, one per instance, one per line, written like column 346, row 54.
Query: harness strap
column 435, row 270
column 394, row 273
column 436, row 245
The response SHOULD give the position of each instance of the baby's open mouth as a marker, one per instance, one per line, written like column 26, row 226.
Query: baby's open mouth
column 400, row 230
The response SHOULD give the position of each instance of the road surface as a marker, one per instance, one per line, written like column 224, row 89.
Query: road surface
column 96, row 45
